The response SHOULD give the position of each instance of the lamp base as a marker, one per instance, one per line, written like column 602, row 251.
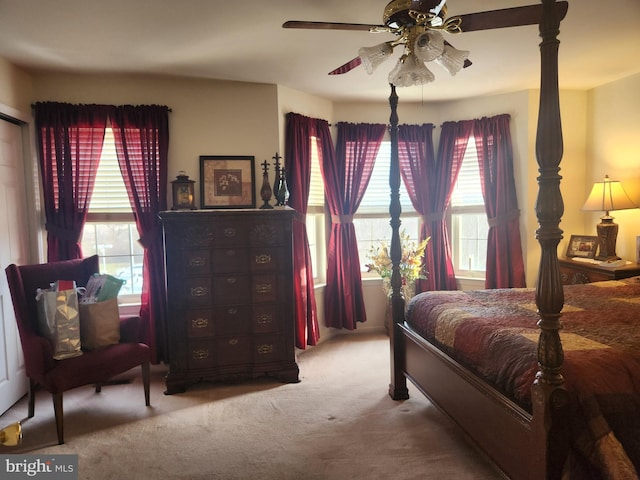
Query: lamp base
column 607, row 235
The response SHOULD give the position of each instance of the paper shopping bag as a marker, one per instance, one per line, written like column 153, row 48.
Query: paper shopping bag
column 59, row 321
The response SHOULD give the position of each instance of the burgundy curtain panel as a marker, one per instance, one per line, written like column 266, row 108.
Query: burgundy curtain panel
column 69, row 142
column 505, row 264
column 300, row 131
column 141, row 135
column 346, row 177
column 451, row 149
column 417, row 160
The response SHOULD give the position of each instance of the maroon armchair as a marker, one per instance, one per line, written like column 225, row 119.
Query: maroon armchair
column 92, row 367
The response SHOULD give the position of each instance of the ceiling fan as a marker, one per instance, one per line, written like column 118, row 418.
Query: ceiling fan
column 418, row 26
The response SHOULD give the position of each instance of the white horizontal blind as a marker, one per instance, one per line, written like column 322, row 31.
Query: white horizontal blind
column 376, row 198
column 316, row 188
column 109, row 192
column 468, row 189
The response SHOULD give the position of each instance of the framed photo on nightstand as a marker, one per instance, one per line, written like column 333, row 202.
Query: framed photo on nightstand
column 583, row 246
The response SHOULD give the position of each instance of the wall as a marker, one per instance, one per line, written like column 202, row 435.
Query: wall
column 208, row 117
column 212, row 117
column 613, row 148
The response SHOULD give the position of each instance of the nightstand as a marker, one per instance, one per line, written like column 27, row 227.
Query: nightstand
column 575, row 272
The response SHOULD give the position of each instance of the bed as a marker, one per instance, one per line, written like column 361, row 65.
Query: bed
column 531, row 436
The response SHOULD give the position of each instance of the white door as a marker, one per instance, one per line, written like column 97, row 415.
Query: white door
column 14, row 248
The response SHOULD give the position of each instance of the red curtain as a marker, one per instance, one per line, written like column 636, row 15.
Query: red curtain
column 453, row 144
column 141, row 135
column 505, row 265
column 69, row 139
column 300, row 132
column 345, row 180
column 417, row 162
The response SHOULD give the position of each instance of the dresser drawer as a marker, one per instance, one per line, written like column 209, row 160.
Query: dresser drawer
column 233, row 319
column 234, row 350
column 192, row 291
column 266, row 259
column 268, row 348
column 201, row 355
column 200, row 323
column 230, row 233
column 195, row 262
column 264, row 288
column 230, row 289
column 229, row 260
column 266, row 319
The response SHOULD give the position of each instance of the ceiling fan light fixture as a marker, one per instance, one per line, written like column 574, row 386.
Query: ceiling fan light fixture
column 373, row 56
column 410, row 71
column 452, row 59
column 429, row 46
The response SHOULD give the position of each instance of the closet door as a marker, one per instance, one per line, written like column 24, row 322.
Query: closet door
column 14, row 248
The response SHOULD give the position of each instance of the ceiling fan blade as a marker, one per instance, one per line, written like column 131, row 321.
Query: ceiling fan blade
column 347, row 67
column 508, row 17
column 336, row 26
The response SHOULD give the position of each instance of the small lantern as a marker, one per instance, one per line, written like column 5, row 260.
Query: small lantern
column 183, row 192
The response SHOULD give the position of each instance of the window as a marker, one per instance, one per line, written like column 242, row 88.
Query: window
column 110, row 231
column 468, row 219
column 315, row 220
column 371, row 222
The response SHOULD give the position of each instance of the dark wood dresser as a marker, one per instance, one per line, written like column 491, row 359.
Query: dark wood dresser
column 575, row 272
column 229, row 276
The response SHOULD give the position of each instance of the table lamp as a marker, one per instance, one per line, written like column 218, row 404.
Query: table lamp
column 606, row 196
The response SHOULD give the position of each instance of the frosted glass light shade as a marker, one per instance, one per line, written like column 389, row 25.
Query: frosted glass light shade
column 373, row 56
column 410, row 71
column 452, row 59
column 429, row 46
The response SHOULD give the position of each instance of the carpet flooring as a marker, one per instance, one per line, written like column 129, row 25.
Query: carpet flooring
column 337, row 423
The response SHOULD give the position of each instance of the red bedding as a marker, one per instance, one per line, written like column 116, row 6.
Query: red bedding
column 494, row 334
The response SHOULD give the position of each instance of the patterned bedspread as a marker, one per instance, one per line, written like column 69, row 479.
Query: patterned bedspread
column 494, row 333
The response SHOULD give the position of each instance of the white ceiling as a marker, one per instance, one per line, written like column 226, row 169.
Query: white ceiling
column 243, row 40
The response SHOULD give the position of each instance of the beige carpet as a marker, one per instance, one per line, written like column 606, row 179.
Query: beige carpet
column 337, row 423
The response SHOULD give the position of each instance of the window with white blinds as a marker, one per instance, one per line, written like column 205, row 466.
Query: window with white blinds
column 110, row 230
column 315, row 220
column 468, row 189
column 468, row 219
column 109, row 193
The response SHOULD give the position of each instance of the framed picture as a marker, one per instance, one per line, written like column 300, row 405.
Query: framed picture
column 227, row 182
column 582, row 246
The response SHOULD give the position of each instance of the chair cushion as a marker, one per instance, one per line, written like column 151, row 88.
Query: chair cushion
column 95, row 366
column 99, row 324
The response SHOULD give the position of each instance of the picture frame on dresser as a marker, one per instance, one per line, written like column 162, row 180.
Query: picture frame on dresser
column 227, row 181
column 583, row 246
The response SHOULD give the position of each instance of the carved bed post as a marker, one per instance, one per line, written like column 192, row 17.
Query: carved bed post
column 548, row 394
column 398, row 386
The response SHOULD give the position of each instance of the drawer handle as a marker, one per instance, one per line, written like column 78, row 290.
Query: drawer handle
column 232, row 280
column 231, row 253
column 265, row 349
column 264, row 288
column 200, row 322
column 197, row 261
column 264, row 318
column 263, row 259
column 201, row 354
column 233, row 341
column 199, row 292
column 232, row 311
column 229, row 232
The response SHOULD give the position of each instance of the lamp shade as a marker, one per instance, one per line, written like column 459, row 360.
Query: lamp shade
column 410, row 71
column 373, row 56
column 606, row 196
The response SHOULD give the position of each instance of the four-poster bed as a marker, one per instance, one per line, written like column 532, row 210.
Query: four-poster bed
column 524, row 442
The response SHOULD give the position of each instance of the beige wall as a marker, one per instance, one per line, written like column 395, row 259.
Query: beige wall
column 613, row 148
column 211, row 117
